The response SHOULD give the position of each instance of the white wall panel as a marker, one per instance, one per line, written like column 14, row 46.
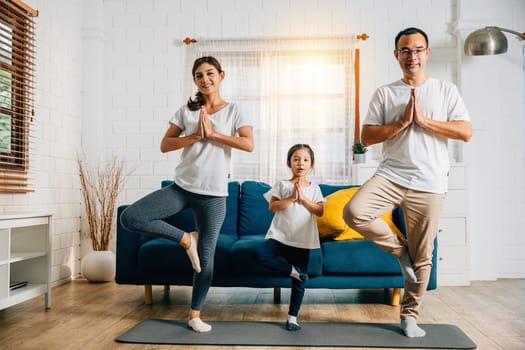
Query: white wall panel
column 146, row 77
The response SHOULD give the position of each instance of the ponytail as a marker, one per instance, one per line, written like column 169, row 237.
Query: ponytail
column 195, row 104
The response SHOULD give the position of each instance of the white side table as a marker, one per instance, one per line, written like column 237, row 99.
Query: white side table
column 25, row 258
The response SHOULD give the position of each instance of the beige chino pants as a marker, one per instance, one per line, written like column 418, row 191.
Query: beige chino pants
column 422, row 210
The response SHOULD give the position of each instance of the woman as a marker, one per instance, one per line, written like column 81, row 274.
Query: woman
column 206, row 128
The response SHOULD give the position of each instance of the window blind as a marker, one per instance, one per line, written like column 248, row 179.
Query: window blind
column 17, row 79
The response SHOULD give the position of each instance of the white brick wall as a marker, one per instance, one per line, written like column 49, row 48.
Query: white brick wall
column 57, row 130
column 234, row 18
column 146, row 77
column 131, row 54
column 494, row 88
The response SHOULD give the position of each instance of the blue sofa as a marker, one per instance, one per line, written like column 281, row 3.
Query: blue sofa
column 350, row 264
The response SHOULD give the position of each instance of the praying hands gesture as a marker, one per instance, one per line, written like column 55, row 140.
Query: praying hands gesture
column 298, row 193
column 172, row 139
column 313, row 207
column 295, row 196
column 277, row 204
column 459, row 130
column 205, row 129
column 419, row 118
column 372, row 134
column 413, row 112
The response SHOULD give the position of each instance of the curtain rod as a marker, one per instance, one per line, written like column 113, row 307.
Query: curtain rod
column 363, row 36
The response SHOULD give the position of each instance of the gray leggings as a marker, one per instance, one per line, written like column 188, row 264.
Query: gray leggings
column 145, row 217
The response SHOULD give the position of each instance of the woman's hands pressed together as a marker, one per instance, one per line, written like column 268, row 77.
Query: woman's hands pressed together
column 205, row 129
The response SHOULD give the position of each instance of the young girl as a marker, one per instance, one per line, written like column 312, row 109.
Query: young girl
column 206, row 128
column 293, row 231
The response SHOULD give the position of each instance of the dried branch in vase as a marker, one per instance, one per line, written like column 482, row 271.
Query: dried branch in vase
column 100, row 189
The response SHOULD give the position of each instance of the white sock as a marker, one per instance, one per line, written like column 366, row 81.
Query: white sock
column 292, row 324
column 295, row 273
column 198, row 325
column 406, row 267
column 411, row 329
column 303, row 277
column 192, row 251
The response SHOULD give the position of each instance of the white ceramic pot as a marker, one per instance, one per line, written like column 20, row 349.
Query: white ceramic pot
column 98, row 266
column 359, row 158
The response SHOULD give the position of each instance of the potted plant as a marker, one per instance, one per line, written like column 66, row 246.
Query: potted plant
column 100, row 188
column 359, row 151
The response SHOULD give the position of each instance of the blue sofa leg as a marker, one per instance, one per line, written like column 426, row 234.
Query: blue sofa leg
column 148, row 293
column 276, row 295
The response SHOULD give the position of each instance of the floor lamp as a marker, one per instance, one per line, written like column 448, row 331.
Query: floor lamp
column 488, row 41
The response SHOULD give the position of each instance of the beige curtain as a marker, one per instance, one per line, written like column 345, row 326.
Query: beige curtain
column 297, row 91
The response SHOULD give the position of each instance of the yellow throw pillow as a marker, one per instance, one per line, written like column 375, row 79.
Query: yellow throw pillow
column 332, row 225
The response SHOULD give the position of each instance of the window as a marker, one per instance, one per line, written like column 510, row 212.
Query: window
column 17, row 55
column 297, row 91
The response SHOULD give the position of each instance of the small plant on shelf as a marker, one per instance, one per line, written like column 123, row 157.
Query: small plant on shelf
column 359, row 148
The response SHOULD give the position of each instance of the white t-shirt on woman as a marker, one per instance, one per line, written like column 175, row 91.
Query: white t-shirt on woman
column 205, row 165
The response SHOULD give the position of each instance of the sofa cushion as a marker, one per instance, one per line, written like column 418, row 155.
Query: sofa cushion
column 185, row 219
column 332, row 226
column 329, row 189
column 254, row 215
column 244, row 259
column 331, row 223
column 350, row 233
column 164, row 255
column 357, row 257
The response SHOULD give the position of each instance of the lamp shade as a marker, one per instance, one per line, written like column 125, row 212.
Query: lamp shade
column 486, row 41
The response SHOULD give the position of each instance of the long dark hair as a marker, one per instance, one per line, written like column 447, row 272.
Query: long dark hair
column 198, row 101
column 294, row 148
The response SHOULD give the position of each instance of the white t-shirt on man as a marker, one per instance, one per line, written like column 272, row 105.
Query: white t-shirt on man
column 415, row 158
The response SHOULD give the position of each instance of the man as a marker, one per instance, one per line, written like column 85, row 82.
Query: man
column 413, row 117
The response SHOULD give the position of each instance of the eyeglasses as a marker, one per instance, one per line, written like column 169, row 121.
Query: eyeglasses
column 408, row 53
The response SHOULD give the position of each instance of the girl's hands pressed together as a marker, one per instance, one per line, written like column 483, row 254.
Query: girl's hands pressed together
column 298, row 191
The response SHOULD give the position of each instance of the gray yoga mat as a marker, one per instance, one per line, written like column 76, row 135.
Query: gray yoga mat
column 373, row 335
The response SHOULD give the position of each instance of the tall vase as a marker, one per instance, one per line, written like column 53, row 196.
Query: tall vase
column 99, row 266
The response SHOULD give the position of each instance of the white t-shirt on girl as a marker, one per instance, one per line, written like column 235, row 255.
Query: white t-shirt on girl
column 295, row 226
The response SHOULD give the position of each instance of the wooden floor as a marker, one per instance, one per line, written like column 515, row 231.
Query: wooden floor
column 90, row 316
